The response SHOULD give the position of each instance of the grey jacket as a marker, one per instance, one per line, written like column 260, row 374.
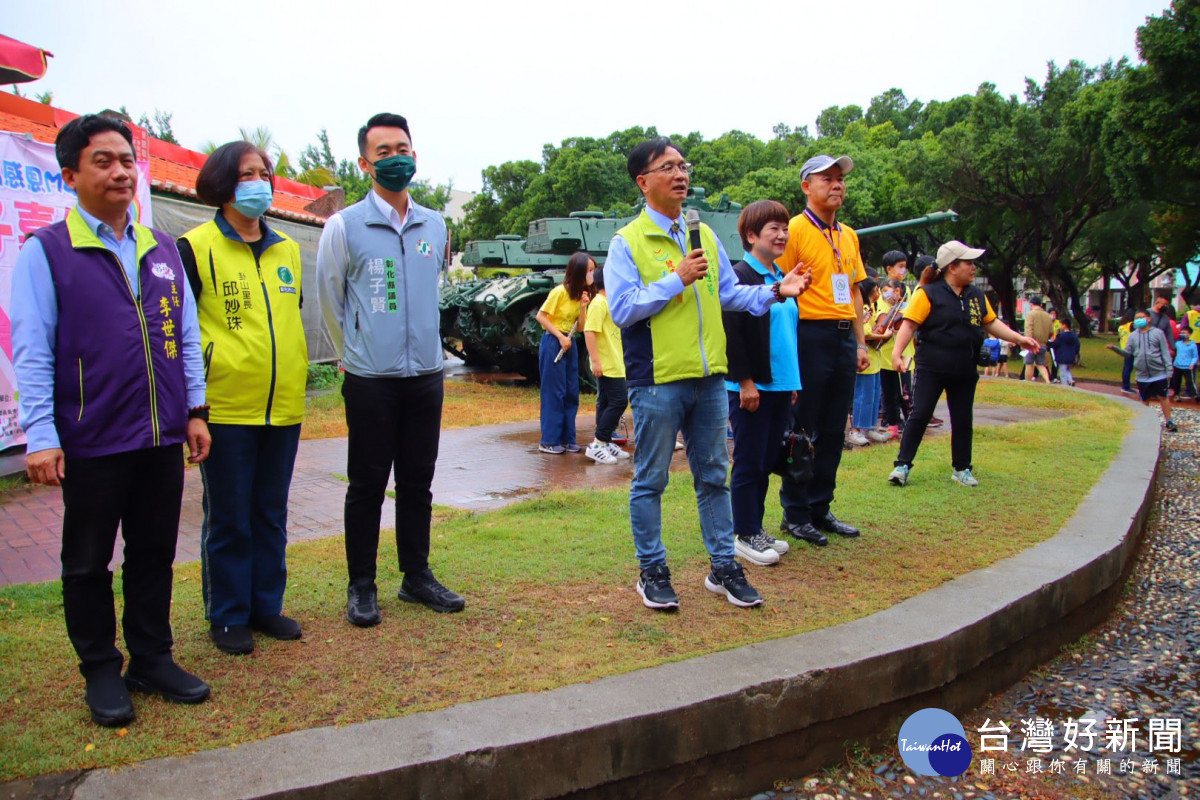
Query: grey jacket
column 379, row 289
column 1151, row 355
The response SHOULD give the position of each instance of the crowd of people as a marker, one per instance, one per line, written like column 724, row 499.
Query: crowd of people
column 795, row 351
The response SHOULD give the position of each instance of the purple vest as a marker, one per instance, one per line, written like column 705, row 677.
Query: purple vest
column 119, row 382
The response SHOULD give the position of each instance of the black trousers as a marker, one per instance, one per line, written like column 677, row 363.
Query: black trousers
column 960, row 398
column 392, row 422
column 828, row 355
column 1181, row 380
column 612, row 398
column 140, row 491
column 894, row 407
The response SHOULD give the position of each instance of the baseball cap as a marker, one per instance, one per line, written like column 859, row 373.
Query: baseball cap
column 955, row 250
column 822, row 163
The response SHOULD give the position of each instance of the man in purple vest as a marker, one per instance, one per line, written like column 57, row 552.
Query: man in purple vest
column 107, row 354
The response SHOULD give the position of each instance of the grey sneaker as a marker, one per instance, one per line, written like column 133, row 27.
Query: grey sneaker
column 857, row 439
column 778, row 545
column 755, row 549
column 552, row 449
column 964, row 477
column 899, row 476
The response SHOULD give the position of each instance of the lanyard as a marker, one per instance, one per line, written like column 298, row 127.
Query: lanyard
column 837, row 253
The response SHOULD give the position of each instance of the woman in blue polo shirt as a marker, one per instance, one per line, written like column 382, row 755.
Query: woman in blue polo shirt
column 763, row 379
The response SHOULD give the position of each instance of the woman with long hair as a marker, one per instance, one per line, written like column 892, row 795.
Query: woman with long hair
column 562, row 315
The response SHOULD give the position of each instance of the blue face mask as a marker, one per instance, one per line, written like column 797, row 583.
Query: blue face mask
column 1141, row 322
column 253, row 198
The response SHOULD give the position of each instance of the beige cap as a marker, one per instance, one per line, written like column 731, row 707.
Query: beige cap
column 955, row 250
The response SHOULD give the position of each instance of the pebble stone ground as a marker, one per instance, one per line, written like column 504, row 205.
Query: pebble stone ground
column 1142, row 663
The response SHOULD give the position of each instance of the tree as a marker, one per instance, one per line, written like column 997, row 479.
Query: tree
column 833, row 121
column 160, row 126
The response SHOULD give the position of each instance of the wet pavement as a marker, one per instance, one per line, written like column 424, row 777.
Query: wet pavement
column 1140, row 666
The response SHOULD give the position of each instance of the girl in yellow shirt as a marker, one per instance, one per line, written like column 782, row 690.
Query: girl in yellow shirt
column 562, row 315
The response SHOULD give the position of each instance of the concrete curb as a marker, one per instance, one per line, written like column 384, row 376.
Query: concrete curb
column 684, row 729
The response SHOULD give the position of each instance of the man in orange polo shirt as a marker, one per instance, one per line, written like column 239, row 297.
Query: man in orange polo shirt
column 832, row 347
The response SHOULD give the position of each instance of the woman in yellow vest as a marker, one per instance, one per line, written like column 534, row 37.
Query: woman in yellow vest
column 246, row 279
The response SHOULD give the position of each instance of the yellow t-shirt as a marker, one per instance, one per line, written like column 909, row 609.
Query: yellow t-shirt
column 918, row 308
column 885, row 352
column 608, row 338
column 1193, row 320
column 562, row 310
column 815, row 247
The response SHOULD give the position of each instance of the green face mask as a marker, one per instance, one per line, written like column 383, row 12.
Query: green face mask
column 394, row 172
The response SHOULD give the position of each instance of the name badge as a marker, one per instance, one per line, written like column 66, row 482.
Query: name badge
column 841, row 287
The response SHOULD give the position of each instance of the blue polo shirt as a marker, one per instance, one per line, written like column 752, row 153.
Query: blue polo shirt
column 785, row 317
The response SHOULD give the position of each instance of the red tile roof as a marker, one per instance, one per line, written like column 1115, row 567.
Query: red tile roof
column 173, row 169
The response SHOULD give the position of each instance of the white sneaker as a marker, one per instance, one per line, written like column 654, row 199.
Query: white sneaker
column 877, row 435
column 599, row 452
column 616, row 451
column 857, row 439
column 755, row 550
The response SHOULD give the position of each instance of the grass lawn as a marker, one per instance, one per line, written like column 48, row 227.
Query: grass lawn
column 1097, row 363
column 550, row 599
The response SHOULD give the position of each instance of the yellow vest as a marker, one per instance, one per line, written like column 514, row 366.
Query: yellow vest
column 255, row 355
column 686, row 339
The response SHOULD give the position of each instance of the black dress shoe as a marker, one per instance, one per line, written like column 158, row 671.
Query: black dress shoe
column 423, row 588
column 166, row 679
column 108, row 699
column 362, row 605
column 277, row 626
column 831, row 524
column 805, row 533
column 236, row 640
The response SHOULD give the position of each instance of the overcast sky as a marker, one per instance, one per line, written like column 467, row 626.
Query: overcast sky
column 487, row 82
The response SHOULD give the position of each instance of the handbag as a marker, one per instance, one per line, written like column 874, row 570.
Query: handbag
column 795, row 459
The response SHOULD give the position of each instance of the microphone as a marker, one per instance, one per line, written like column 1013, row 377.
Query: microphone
column 693, row 225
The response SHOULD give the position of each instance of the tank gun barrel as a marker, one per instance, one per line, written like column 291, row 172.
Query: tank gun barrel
column 918, row 222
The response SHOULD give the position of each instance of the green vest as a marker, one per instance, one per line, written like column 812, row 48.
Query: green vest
column 686, row 339
column 255, row 353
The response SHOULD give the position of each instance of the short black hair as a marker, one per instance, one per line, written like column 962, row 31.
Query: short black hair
column 78, row 133
column 641, row 156
column 598, row 277
column 755, row 217
column 384, row 120
column 218, row 178
column 893, row 257
column 1036, row 299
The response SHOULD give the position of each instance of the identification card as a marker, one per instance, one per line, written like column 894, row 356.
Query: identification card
column 841, row 288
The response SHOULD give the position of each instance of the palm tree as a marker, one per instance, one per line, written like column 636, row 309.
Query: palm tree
column 262, row 138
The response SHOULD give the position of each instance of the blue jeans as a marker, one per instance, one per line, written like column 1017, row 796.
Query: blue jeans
column 698, row 407
column 756, row 444
column 867, row 393
column 560, row 391
column 244, row 537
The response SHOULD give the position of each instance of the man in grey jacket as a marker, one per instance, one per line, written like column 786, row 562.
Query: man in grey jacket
column 1151, row 355
column 378, row 266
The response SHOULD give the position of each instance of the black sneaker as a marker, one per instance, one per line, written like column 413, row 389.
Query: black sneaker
column 236, row 640
column 362, row 605
column 167, row 679
column 277, row 626
column 731, row 582
column 107, row 697
column 423, row 588
column 655, row 588
column 1171, row 426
